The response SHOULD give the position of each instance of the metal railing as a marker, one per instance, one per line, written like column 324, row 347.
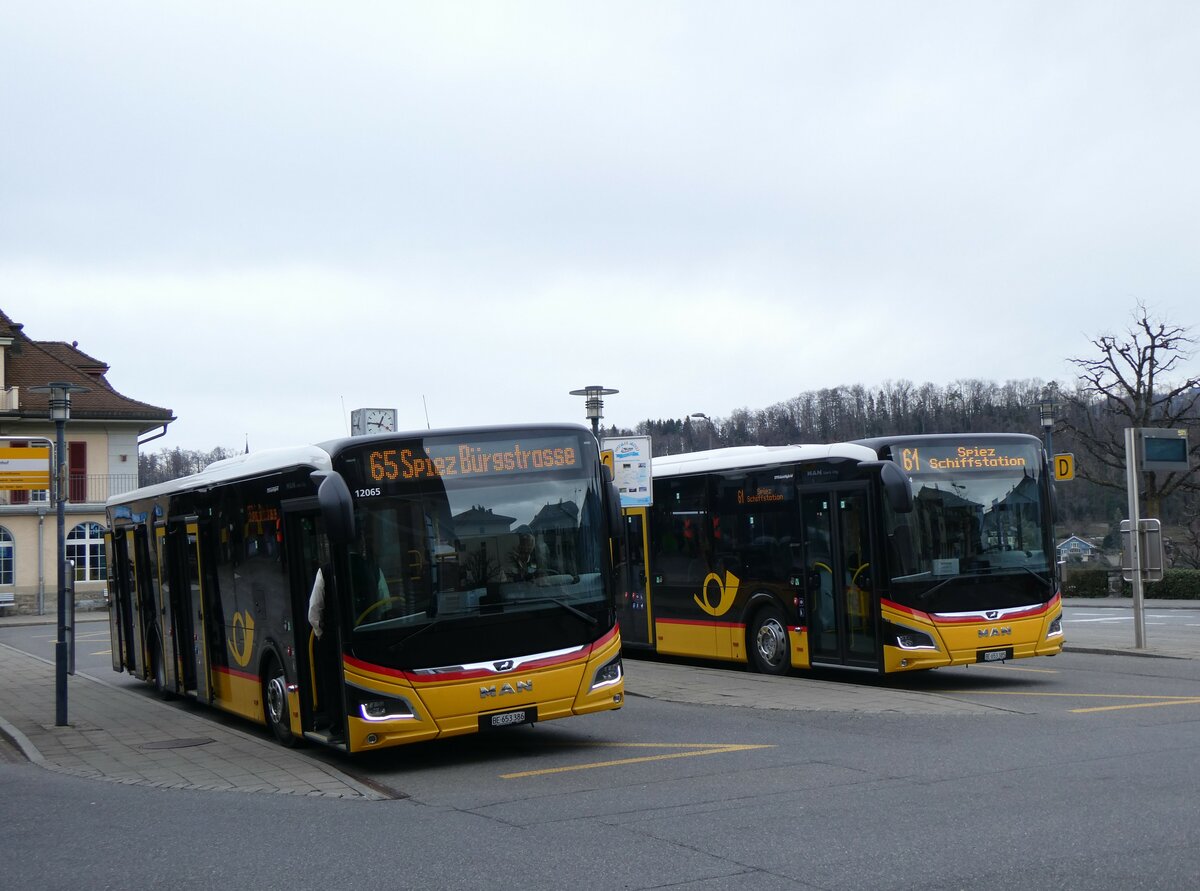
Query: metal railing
column 82, row 488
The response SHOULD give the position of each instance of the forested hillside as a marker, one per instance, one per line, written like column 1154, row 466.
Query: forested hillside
column 857, row 412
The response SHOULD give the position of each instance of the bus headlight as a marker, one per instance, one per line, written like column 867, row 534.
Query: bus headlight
column 608, row 674
column 1055, row 629
column 911, row 639
column 374, row 707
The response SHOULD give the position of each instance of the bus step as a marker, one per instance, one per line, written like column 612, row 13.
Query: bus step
column 326, row 738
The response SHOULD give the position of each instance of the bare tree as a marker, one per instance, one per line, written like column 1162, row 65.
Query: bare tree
column 1127, row 384
column 1187, row 547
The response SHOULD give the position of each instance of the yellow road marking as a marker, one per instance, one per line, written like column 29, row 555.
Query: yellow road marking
column 1113, row 708
column 1065, row 695
column 694, row 749
column 1156, row 701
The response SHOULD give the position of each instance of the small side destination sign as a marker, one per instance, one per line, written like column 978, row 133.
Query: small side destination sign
column 24, row 468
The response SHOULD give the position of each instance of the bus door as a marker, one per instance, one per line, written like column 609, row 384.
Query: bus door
column 140, row 607
column 838, row 558
column 307, row 551
column 210, row 612
column 633, row 613
column 168, row 614
column 147, row 626
column 121, row 592
column 186, row 606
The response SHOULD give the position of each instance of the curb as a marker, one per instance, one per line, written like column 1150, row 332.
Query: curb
column 21, row 741
column 1118, row 651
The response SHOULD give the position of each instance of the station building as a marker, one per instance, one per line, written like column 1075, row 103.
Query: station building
column 102, row 439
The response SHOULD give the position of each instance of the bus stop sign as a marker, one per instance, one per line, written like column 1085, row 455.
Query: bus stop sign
column 1064, row 467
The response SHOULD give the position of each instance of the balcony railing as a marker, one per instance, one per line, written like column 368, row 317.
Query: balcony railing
column 82, row 488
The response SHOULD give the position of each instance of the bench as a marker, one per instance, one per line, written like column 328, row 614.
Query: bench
column 7, row 598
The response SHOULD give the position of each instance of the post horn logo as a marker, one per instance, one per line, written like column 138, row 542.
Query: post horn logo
column 725, row 592
column 241, row 641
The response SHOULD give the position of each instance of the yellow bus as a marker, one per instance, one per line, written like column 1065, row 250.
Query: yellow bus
column 466, row 577
column 886, row 555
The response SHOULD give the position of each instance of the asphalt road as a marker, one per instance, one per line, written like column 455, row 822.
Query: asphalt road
column 1072, row 772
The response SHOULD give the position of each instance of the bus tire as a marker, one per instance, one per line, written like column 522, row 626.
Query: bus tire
column 770, row 651
column 275, row 703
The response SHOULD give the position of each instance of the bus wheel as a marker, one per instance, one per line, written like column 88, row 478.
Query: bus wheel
column 769, row 642
column 275, row 703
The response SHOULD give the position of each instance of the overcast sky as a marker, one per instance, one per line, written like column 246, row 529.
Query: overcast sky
column 263, row 215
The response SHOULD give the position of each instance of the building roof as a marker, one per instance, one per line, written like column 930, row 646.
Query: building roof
column 31, row 363
column 1082, row 541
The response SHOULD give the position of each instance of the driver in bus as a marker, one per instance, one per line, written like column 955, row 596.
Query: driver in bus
column 528, row 560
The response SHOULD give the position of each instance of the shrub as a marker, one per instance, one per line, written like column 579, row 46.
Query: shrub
column 1176, row 584
column 1085, row 582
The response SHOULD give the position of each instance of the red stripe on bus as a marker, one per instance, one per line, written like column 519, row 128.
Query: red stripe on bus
column 443, row 677
column 1038, row 610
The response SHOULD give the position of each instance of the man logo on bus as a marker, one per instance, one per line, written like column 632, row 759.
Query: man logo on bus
column 725, row 592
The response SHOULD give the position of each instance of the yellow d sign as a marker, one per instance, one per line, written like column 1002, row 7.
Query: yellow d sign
column 1064, row 466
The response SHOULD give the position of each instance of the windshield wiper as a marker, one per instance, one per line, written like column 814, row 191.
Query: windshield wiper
column 925, row 595
column 405, row 641
column 1037, row 575
column 575, row 611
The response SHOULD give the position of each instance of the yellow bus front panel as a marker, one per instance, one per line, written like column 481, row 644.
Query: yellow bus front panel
column 391, row 707
column 919, row 640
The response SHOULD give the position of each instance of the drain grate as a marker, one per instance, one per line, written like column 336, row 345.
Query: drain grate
column 176, row 743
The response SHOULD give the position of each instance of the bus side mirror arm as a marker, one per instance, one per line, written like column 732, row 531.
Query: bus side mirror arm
column 896, row 486
column 337, row 508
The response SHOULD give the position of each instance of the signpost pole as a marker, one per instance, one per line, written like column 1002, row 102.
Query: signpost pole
column 60, row 412
column 1135, row 537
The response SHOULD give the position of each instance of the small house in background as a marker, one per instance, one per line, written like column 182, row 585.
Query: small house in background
column 102, row 438
column 1076, row 549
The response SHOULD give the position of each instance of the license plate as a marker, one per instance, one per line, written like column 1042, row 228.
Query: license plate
column 994, row 655
column 507, row 719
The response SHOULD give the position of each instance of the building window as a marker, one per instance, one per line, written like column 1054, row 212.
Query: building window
column 85, row 545
column 7, row 573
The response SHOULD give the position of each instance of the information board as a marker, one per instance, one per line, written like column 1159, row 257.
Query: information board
column 631, row 469
column 24, row 468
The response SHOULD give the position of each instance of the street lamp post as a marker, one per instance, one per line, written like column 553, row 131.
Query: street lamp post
column 709, row 424
column 1047, row 408
column 60, row 411
column 595, row 404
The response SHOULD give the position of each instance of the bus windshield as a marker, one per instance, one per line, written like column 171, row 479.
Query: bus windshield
column 470, row 564
column 978, row 536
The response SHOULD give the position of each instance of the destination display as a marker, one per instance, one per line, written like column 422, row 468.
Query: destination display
column 968, row 457
column 409, row 462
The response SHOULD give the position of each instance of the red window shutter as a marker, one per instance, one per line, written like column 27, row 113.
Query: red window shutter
column 77, row 471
